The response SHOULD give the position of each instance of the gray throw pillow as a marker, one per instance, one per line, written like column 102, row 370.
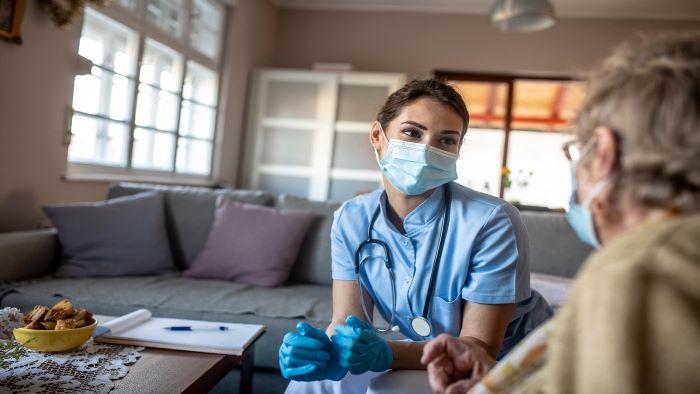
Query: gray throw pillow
column 189, row 213
column 251, row 244
column 122, row 236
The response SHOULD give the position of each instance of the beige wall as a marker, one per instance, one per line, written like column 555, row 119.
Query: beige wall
column 420, row 43
column 250, row 43
column 36, row 84
column 36, row 78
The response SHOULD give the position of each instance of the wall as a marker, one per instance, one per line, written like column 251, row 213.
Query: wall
column 37, row 77
column 251, row 42
column 420, row 43
column 37, row 84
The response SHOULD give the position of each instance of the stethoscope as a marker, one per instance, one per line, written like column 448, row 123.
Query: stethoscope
column 420, row 324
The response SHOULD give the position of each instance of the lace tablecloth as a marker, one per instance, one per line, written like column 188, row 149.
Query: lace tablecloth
column 89, row 369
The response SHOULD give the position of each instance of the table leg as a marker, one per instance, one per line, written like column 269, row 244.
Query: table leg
column 247, row 360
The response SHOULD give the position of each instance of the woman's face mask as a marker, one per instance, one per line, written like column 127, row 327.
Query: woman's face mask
column 580, row 216
column 414, row 168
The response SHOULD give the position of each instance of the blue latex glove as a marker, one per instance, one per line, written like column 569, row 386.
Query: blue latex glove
column 308, row 355
column 360, row 348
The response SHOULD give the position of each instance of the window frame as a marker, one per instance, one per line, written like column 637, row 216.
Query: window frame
column 139, row 23
column 509, row 80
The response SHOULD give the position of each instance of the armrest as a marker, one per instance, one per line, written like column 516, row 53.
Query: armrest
column 27, row 254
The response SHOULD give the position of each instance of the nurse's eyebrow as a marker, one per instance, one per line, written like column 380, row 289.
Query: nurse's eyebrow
column 420, row 126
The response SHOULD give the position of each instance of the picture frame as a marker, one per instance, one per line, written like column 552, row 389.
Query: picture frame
column 11, row 13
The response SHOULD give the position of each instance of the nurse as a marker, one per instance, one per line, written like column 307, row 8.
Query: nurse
column 431, row 255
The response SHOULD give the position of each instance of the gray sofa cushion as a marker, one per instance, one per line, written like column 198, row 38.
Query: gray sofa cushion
column 122, row 236
column 554, row 247
column 28, row 254
column 554, row 289
column 189, row 213
column 314, row 262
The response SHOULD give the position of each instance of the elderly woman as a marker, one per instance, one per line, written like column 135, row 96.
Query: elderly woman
column 632, row 321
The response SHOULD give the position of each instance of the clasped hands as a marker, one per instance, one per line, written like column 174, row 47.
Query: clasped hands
column 308, row 354
column 454, row 366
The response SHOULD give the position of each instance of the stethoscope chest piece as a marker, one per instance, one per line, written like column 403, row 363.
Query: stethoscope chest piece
column 421, row 326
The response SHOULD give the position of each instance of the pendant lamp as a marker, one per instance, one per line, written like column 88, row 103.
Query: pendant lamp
column 522, row 15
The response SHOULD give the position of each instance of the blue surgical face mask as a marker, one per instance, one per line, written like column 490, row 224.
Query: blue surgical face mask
column 416, row 168
column 580, row 216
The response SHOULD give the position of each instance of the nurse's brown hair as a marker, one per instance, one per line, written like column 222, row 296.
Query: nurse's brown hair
column 418, row 88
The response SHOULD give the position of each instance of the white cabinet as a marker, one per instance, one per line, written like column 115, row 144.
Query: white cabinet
column 308, row 132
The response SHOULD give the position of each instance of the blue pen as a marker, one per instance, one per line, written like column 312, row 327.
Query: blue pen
column 188, row 328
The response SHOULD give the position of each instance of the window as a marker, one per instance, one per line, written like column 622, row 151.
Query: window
column 514, row 150
column 148, row 105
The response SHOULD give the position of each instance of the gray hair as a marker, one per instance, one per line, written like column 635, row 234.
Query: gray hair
column 649, row 96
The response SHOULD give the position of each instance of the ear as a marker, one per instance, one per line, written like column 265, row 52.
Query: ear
column 375, row 136
column 606, row 153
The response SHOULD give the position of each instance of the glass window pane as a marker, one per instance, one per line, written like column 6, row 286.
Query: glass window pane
column 87, row 90
column 83, row 142
column 342, row 189
column 479, row 163
column 296, row 100
column 287, row 146
column 103, row 93
column 207, row 22
column 156, row 108
column 353, row 150
column 486, row 102
column 132, row 5
column 197, row 120
column 98, row 141
column 201, row 84
column 193, row 156
column 169, row 15
column 546, row 105
column 539, row 173
column 298, row 186
column 108, row 43
column 153, row 150
column 161, row 66
column 360, row 103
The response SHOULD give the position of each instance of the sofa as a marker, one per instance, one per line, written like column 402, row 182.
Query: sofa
column 28, row 259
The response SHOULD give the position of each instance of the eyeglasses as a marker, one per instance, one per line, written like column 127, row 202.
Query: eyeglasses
column 574, row 151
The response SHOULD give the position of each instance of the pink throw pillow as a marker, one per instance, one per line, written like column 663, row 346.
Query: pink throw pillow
column 251, row 244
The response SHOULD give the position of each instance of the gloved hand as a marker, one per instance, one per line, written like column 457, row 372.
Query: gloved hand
column 308, row 356
column 360, row 348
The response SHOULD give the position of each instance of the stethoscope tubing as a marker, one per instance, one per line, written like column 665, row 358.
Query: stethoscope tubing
column 447, row 200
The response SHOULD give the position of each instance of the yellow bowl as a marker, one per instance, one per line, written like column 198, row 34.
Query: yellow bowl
column 52, row 341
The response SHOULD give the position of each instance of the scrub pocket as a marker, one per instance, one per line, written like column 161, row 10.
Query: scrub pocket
column 446, row 316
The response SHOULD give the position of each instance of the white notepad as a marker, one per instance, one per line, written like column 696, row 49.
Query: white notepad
column 140, row 328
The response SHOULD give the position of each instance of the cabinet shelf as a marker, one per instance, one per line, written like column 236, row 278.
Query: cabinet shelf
column 287, row 170
column 344, row 126
column 307, row 132
column 351, row 174
column 290, row 123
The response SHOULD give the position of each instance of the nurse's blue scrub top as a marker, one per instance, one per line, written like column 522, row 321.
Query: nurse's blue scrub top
column 485, row 260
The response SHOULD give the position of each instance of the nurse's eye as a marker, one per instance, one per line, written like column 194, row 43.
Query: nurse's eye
column 449, row 141
column 411, row 133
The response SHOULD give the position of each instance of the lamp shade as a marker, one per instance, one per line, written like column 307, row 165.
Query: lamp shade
column 522, row 15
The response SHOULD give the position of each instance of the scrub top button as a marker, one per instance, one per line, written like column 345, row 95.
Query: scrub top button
column 407, row 280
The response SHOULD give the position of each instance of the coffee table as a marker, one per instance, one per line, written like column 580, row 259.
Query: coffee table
column 175, row 371
column 178, row 371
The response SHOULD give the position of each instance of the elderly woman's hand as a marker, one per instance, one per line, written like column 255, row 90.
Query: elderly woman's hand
column 455, row 365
